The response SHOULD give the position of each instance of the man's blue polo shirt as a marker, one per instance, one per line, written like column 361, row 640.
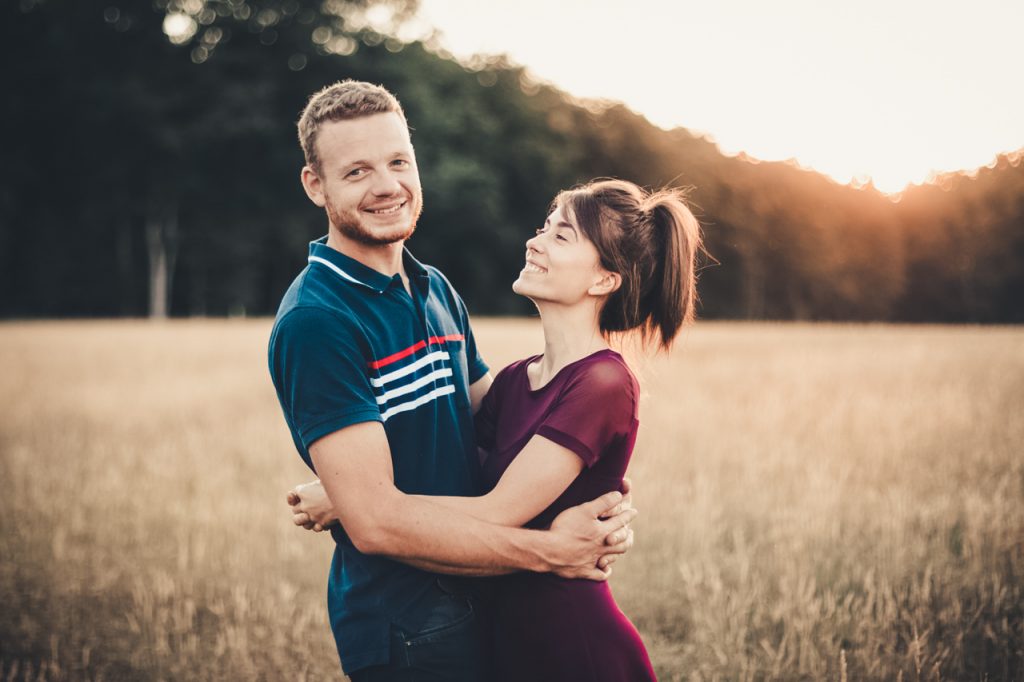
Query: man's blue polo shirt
column 350, row 345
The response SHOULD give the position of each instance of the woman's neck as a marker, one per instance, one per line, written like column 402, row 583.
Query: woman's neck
column 570, row 334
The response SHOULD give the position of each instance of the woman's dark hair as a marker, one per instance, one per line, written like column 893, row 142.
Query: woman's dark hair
column 651, row 239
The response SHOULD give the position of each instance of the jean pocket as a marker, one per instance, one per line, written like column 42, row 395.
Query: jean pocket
column 449, row 647
column 453, row 614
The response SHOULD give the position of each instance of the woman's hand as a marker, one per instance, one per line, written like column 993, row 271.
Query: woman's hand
column 624, row 537
column 311, row 508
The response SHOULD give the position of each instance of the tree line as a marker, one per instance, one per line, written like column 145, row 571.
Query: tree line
column 154, row 174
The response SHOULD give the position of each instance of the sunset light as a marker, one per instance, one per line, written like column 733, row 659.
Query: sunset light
column 339, row 338
column 890, row 91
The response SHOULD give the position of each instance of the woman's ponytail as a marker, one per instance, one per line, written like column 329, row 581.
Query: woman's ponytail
column 677, row 234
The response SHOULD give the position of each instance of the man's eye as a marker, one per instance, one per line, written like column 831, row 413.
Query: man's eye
column 356, row 173
column 400, row 163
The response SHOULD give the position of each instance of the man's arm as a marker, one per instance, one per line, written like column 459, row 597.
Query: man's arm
column 354, row 465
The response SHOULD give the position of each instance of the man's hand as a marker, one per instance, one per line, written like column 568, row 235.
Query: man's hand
column 311, row 508
column 587, row 533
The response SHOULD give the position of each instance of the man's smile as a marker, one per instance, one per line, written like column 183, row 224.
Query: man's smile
column 387, row 210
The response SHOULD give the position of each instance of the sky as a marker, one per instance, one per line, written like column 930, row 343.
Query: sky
column 887, row 89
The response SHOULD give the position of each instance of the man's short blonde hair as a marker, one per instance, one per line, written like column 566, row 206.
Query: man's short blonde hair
column 343, row 100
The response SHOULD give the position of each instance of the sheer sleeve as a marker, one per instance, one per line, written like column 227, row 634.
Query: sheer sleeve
column 597, row 408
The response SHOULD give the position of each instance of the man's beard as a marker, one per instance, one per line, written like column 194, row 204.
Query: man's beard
column 350, row 224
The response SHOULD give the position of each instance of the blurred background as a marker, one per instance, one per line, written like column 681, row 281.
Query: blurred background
column 151, row 164
column 827, row 491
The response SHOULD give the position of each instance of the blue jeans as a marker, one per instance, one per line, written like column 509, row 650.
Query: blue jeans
column 447, row 647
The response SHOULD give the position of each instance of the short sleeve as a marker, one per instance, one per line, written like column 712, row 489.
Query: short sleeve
column 320, row 374
column 597, row 408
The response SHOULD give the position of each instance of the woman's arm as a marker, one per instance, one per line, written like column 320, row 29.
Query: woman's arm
column 536, row 477
column 312, row 510
column 478, row 390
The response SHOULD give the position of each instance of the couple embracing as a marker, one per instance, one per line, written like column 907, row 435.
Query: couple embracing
column 475, row 518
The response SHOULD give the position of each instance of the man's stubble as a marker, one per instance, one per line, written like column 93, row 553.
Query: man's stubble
column 350, row 224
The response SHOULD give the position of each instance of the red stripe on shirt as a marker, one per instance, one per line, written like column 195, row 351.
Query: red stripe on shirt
column 432, row 341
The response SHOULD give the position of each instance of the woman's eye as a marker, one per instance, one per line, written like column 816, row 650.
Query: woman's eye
column 539, row 230
column 562, row 237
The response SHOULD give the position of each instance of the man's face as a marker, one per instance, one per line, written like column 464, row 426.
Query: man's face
column 367, row 180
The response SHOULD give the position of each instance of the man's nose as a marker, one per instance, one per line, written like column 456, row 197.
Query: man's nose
column 386, row 184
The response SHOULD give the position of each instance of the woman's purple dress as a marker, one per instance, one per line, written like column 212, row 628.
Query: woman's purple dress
column 546, row 627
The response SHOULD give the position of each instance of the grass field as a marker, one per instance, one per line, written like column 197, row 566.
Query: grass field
column 818, row 502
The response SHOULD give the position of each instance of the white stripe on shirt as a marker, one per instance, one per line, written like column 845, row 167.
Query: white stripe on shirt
column 413, row 404
column 410, row 387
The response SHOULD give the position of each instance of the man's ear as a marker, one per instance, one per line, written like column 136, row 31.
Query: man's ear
column 608, row 283
column 313, row 185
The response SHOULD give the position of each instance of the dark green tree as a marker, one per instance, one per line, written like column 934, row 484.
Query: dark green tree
column 152, row 166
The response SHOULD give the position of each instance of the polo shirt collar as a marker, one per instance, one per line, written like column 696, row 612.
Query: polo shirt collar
column 418, row 275
column 353, row 271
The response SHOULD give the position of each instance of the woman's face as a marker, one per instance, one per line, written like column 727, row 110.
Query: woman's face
column 562, row 265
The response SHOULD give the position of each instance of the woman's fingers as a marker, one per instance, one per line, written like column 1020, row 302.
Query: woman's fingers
column 620, row 541
column 301, row 517
column 596, row 574
column 618, row 526
column 602, row 506
column 614, row 511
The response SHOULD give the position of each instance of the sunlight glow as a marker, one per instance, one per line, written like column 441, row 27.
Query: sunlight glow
column 179, row 28
column 890, row 91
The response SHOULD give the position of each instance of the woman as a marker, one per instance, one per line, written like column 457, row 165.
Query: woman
column 558, row 429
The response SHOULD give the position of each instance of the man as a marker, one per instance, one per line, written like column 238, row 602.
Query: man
column 378, row 374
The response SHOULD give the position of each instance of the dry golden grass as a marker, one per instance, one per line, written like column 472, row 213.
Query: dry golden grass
column 818, row 502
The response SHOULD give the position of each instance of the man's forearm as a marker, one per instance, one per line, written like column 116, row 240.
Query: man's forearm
column 446, row 569
column 417, row 531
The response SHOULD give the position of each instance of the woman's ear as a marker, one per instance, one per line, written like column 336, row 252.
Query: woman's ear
column 608, row 283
